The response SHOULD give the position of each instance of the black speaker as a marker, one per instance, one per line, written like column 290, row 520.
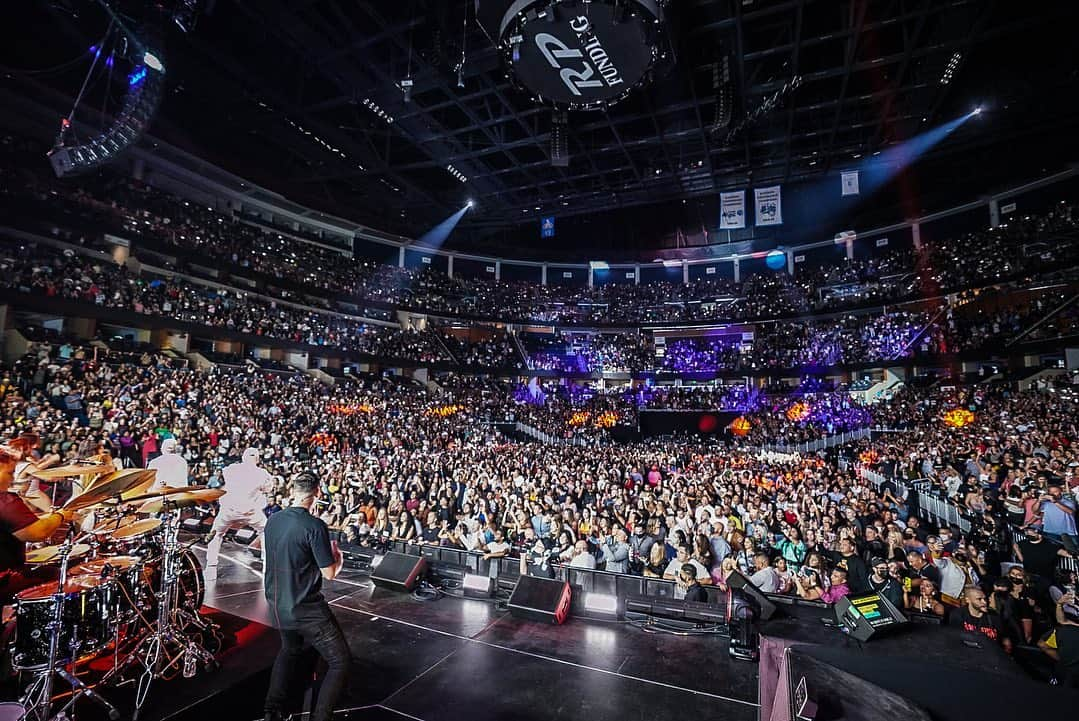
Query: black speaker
column 540, row 599
column 739, row 582
column 399, row 571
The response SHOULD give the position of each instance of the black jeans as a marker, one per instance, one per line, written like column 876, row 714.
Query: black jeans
column 328, row 640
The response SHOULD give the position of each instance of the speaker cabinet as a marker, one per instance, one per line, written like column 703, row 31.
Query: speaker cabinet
column 399, row 571
column 540, row 599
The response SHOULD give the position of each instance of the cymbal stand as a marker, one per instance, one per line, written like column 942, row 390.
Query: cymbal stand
column 38, row 697
column 166, row 646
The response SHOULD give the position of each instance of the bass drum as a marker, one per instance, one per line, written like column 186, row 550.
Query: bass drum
column 190, row 587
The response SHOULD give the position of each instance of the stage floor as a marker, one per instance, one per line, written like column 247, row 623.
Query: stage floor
column 466, row 659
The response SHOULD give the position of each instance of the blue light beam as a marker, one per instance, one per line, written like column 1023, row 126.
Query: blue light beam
column 436, row 236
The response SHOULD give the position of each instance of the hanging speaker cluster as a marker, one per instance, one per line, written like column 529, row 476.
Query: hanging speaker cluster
column 577, row 54
column 144, row 87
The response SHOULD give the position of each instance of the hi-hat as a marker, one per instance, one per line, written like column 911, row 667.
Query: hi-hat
column 182, row 500
column 51, row 554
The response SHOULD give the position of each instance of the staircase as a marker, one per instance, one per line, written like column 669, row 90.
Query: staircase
column 520, row 350
column 1048, row 316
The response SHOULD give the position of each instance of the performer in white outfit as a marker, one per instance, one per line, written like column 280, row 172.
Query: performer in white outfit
column 246, row 485
column 171, row 467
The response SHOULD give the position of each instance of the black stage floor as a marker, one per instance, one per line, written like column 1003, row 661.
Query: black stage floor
column 466, row 659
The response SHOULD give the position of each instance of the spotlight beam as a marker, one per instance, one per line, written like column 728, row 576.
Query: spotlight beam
column 436, row 236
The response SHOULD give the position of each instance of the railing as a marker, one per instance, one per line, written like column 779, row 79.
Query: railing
column 819, row 444
column 583, row 580
column 542, row 437
column 939, row 510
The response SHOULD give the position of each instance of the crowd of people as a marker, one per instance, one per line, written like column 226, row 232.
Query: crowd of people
column 849, row 339
column 315, row 268
column 402, row 461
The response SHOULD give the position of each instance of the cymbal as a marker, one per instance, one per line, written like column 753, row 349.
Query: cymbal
column 75, row 584
column 51, row 554
column 182, row 500
column 160, row 492
column 96, row 566
column 135, row 529
column 128, row 480
column 71, row 470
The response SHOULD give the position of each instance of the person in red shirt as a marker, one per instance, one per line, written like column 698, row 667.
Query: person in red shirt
column 20, row 525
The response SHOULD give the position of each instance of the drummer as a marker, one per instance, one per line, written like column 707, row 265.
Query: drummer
column 20, row 525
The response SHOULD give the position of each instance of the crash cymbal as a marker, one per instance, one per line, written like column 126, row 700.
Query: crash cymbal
column 72, row 470
column 160, row 492
column 135, row 529
column 182, row 500
column 51, row 554
column 109, row 486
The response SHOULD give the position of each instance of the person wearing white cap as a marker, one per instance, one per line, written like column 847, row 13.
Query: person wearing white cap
column 246, row 485
column 171, row 467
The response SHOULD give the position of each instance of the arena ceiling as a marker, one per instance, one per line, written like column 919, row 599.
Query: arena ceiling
column 295, row 94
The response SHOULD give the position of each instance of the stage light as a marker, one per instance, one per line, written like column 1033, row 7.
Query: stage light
column 600, row 603
column 470, row 203
column 978, row 110
column 151, row 61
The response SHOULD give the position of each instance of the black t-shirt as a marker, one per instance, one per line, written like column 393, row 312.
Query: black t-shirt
column 930, row 572
column 857, row 571
column 890, row 589
column 1039, row 558
column 296, row 547
column 696, row 593
column 15, row 515
column 988, row 627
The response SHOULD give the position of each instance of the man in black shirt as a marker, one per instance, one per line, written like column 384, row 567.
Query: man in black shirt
column 847, row 558
column 977, row 622
column 694, row 591
column 881, row 581
column 298, row 556
column 1039, row 558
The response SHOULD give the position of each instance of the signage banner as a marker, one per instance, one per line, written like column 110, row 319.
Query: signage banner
column 769, row 205
column 732, row 210
column 850, row 182
column 547, row 227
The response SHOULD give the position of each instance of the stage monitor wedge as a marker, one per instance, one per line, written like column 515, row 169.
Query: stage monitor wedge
column 399, row 571
column 868, row 615
column 540, row 599
column 739, row 582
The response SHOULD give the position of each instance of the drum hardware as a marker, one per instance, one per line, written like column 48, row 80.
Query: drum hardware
column 143, row 603
column 37, row 700
column 169, row 648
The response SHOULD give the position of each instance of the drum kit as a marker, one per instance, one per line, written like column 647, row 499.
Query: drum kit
column 125, row 608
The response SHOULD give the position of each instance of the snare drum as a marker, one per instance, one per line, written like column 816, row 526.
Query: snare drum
column 86, row 621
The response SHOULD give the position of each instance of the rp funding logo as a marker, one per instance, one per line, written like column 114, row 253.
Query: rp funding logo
column 579, row 68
